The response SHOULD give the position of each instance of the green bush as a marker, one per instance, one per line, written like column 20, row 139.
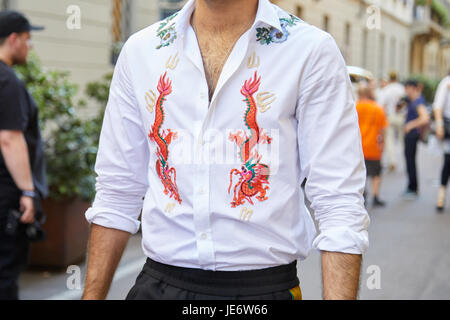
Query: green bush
column 429, row 86
column 98, row 91
column 70, row 143
column 438, row 9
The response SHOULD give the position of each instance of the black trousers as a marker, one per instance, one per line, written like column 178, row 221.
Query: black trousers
column 159, row 281
column 411, row 141
column 14, row 251
column 445, row 170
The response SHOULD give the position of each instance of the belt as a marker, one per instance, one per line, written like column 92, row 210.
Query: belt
column 226, row 283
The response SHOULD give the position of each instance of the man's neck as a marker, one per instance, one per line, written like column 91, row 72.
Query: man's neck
column 414, row 97
column 5, row 58
column 224, row 15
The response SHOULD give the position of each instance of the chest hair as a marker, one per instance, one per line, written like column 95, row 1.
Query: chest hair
column 215, row 50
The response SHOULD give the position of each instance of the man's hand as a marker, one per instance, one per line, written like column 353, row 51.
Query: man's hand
column 106, row 247
column 340, row 274
column 422, row 120
column 408, row 127
column 439, row 119
column 440, row 133
column 27, row 207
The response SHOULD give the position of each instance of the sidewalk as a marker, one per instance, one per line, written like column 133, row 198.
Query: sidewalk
column 52, row 285
column 409, row 245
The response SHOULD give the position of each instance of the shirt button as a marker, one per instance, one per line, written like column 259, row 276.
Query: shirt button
column 204, row 236
column 201, row 191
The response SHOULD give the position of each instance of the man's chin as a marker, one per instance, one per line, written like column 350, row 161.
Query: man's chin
column 20, row 62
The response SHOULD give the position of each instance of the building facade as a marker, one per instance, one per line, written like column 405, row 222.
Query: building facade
column 371, row 34
column 430, row 53
column 85, row 36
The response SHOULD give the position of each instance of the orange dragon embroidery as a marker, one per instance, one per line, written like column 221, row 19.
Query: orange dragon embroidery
column 254, row 176
column 163, row 139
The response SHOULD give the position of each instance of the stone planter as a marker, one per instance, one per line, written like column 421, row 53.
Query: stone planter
column 67, row 235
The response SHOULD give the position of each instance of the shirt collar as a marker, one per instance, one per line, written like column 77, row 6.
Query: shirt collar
column 267, row 14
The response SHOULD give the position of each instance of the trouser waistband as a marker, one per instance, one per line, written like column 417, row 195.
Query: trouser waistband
column 226, row 283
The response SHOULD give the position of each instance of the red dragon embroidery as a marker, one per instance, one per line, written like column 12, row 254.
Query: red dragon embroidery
column 163, row 139
column 254, row 176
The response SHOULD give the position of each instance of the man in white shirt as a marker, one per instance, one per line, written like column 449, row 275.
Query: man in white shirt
column 389, row 96
column 441, row 108
column 216, row 116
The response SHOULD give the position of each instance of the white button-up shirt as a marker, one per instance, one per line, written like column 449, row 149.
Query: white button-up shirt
column 442, row 98
column 221, row 179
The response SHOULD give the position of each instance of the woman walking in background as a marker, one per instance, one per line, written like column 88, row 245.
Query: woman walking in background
column 442, row 115
column 416, row 117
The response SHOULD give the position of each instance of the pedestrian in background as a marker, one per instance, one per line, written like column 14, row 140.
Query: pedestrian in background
column 416, row 117
column 382, row 83
column 22, row 167
column 372, row 123
column 388, row 98
column 441, row 108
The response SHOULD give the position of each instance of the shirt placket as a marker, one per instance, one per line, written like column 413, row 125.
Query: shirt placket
column 201, row 185
column 202, row 167
column 202, row 217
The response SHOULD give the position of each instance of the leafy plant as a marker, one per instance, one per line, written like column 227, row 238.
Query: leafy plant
column 70, row 143
column 98, row 91
column 438, row 9
column 429, row 86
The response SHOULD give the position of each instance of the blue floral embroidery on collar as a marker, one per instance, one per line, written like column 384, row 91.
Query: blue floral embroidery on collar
column 266, row 36
column 166, row 32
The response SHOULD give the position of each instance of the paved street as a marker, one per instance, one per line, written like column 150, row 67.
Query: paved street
column 409, row 246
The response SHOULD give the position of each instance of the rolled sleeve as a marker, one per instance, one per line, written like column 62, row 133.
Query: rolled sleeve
column 441, row 94
column 331, row 156
column 122, row 160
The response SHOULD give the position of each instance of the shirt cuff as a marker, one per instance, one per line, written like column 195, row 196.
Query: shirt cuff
column 110, row 218
column 342, row 239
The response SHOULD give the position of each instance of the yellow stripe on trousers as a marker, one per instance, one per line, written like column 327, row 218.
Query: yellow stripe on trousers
column 296, row 293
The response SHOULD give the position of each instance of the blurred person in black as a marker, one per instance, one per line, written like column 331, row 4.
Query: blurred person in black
column 22, row 167
column 416, row 118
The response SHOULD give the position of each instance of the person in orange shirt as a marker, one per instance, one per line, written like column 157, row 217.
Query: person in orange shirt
column 372, row 123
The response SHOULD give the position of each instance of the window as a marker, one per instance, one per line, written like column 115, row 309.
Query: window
column 164, row 13
column 5, row 4
column 169, row 7
column 381, row 56
column 347, row 42
column 127, row 19
column 348, row 29
column 122, row 27
column 364, row 48
column 299, row 12
column 403, row 60
column 326, row 23
column 393, row 54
